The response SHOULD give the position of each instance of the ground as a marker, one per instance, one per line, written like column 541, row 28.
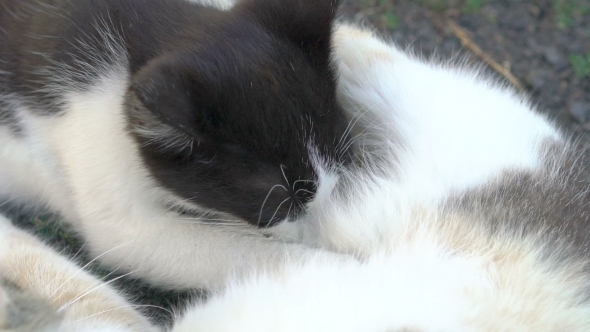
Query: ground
column 543, row 45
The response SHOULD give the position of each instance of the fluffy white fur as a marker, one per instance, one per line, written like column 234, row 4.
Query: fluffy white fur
column 437, row 130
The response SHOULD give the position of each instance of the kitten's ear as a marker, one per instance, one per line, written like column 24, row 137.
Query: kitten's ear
column 173, row 93
column 306, row 23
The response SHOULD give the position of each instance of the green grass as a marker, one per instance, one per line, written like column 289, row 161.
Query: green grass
column 463, row 5
column 391, row 19
column 565, row 11
column 472, row 5
column 47, row 227
column 581, row 64
column 384, row 13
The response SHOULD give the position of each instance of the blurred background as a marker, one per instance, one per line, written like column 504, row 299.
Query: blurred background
column 542, row 46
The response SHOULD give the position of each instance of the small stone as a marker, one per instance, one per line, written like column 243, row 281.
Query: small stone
column 555, row 57
column 580, row 111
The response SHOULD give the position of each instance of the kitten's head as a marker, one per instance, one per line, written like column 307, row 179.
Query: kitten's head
column 245, row 119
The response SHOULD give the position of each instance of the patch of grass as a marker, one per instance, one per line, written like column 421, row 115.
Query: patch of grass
column 463, row 5
column 472, row 5
column 437, row 5
column 565, row 11
column 382, row 13
column 391, row 19
column 59, row 235
column 581, row 64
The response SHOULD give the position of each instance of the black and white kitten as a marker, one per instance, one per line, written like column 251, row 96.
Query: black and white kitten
column 155, row 126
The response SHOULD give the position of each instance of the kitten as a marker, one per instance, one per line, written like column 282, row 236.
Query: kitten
column 158, row 127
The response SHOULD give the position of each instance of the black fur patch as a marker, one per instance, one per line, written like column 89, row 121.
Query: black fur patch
column 241, row 95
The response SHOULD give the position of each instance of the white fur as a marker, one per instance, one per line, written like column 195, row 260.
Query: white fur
column 352, row 296
column 437, row 130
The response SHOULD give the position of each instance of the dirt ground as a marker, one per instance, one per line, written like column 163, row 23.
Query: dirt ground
column 543, row 44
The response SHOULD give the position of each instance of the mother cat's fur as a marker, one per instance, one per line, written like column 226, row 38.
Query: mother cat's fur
column 158, row 127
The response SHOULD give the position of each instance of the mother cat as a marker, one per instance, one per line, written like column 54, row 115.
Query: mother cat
column 157, row 126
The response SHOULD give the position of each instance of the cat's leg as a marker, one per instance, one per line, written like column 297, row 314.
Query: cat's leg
column 176, row 252
column 84, row 302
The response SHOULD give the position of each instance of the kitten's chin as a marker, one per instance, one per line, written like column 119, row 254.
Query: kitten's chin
column 289, row 230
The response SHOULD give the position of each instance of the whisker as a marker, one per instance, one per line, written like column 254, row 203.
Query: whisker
column 54, row 278
column 229, row 221
column 284, row 176
column 276, row 211
column 11, row 199
column 290, row 207
column 306, row 181
column 267, row 196
column 351, row 124
column 93, row 289
column 85, row 266
column 358, row 116
column 304, row 190
column 118, row 308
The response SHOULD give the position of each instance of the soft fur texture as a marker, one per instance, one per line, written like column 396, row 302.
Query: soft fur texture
column 465, row 211
column 50, row 293
column 159, row 126
column 470, row 213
